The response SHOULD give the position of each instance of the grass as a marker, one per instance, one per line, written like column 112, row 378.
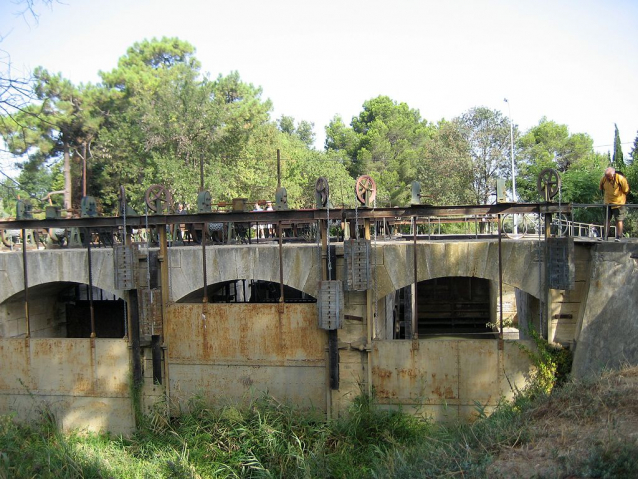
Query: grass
column 584, row 429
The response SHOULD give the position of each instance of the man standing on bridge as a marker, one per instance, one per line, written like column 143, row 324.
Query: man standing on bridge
column 615, row 188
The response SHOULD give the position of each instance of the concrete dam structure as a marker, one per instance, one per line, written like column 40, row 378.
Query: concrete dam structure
column 432, row 325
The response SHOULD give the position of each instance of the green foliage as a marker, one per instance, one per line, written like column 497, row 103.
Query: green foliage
column 550, row 145
column 445, row 173
column 612, row 459
column 264, row 439
column 487, row 136
column 386, row 141
column 552, row 365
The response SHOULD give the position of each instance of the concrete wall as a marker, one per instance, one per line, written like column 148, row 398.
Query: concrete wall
column 607, row 332
column 445, row 379
column 83, row 383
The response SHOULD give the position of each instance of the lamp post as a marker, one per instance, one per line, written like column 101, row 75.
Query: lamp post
column 509, row 110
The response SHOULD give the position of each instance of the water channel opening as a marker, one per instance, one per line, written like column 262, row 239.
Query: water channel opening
column 454, row 305
column 248, row 291
column 457, row 306
column 62, row 310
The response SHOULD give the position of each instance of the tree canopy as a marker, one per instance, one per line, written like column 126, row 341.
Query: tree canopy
column 157, row 119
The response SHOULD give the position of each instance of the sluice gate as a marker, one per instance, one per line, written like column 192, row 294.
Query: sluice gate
column 419, row 322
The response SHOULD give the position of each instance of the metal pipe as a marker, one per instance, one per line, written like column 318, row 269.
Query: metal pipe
column 278, row 168
column 500, row 275
column 92, row 310
column 415, row 316
column 369, row 316
column 281, row 263
column 135, row 337
column 205, row 293
column 26, row 281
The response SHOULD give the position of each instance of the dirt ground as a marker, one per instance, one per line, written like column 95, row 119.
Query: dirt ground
column 587, row 429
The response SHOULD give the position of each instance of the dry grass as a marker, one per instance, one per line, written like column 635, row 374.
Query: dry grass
column 586, row 429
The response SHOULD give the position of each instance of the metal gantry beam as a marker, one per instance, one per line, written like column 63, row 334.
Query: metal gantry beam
column 294, row 216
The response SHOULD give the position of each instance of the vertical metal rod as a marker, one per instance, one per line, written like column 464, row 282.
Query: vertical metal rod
column 89, row 259
column 201, row 174
column 332, row 380
column 26, row 281
column 547, row 310
column 205, row 293
column 281, row 262
column 278, row 168
column 369, row 315
column 84, row 172
column 415, row 316
column 500, row 275
column 135, row 337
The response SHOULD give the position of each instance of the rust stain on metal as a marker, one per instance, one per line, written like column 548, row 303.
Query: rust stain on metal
column 381, row 373
column 407, row 373
column 385, row 394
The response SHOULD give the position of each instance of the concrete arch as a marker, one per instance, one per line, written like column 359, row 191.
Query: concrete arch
column 53, row 266
column 227, row 263
column 395, row 268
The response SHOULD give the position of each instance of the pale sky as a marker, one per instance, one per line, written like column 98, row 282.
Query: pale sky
column 573, row 61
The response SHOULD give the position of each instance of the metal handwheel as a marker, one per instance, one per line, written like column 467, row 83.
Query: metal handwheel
column 323, row 190
column 548, row 183
column 365, row 189
column 158, row 197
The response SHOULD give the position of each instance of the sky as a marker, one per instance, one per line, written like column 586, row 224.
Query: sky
column 572, row 61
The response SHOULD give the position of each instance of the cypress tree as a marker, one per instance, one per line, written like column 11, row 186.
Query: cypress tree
column 633, row 156
column 618, row 161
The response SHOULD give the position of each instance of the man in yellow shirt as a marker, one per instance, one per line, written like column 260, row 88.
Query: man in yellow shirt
column 615, row 188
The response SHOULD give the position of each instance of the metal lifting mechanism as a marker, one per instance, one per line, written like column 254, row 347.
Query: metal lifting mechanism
column 561, row 267
column 88, row 207
column 281, row 199
column 501, row 191
column 159, row 199
column 322, row 192
column 366, row 190
column 204, row 202
column 24, row 210
column 416, row 193
column 548, row 183
column 356, row 254
column 331, row 304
